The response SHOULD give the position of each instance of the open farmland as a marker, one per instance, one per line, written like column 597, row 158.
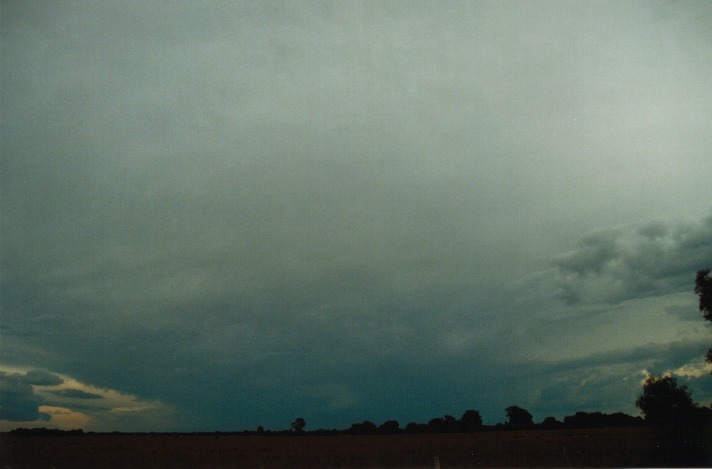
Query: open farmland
column 613, row 447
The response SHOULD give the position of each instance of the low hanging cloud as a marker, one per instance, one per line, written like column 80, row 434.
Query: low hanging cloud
column 42, row 398
column 18, row 400
column 41, row 378
column 615, row 265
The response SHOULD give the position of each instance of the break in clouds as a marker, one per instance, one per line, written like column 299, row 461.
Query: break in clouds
column 239, row 214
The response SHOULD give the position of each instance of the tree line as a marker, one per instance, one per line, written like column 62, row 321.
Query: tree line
column 517, row 419
column 663, row 403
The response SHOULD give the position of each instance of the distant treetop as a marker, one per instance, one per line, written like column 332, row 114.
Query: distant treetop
column 703, row 289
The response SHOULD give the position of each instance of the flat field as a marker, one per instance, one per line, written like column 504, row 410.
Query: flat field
column 601, row 447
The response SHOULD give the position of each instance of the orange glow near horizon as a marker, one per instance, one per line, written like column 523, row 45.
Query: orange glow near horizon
column 65, row 419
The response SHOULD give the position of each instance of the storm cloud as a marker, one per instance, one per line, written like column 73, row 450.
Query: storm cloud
column 632, row 262
column 237, row 214
column 17, row 395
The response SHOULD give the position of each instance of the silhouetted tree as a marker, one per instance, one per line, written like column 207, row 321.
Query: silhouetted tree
column 364, row 428
column 471, row 421
column 619, row 419
column 703, row 289
column 389, row 427
column 664, row 402
column 444, row 424
column 298, row 425
column 599, row 419
column 550, row 422
column 437, row 425
column 518, row 417
column 679, row 439
column 414, row 427
column 451, row 424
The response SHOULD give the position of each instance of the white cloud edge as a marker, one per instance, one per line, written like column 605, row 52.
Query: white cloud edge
column 102, row 414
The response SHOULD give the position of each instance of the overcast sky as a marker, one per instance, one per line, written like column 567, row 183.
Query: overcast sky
column 219, row 215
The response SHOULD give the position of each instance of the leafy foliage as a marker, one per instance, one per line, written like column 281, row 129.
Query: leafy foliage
column 518, row 417
column 298, row 425
column 597, row 419
column 471, row 421
column 389, row 427
column 664, row 401
column 364, row 428
column 703, row 289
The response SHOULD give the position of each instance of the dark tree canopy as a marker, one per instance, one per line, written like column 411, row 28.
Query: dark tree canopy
column 664, row 401
column 550, row 422
column 299, row 424
column 415, row 427
column 389, row 426
column 518, row 417
column 447, row 423
column 599, row 419
column 703, row 289
column 364, row 428
column 471, row 421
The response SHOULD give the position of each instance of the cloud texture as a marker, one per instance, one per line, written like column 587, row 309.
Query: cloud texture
column 244, row 213
column 635, row 262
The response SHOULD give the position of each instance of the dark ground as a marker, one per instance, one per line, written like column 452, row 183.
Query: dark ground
column 600, row 447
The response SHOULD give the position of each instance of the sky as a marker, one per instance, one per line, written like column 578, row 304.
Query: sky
column 225, row 215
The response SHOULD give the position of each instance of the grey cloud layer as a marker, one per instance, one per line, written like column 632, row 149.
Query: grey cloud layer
column 650, row 260
column 288, row 205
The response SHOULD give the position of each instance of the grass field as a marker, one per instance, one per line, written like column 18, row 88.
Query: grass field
column 601, row 447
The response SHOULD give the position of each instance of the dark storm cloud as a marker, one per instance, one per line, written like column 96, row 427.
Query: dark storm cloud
column 633, row 262
column 18, row 400
column 41, row 378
